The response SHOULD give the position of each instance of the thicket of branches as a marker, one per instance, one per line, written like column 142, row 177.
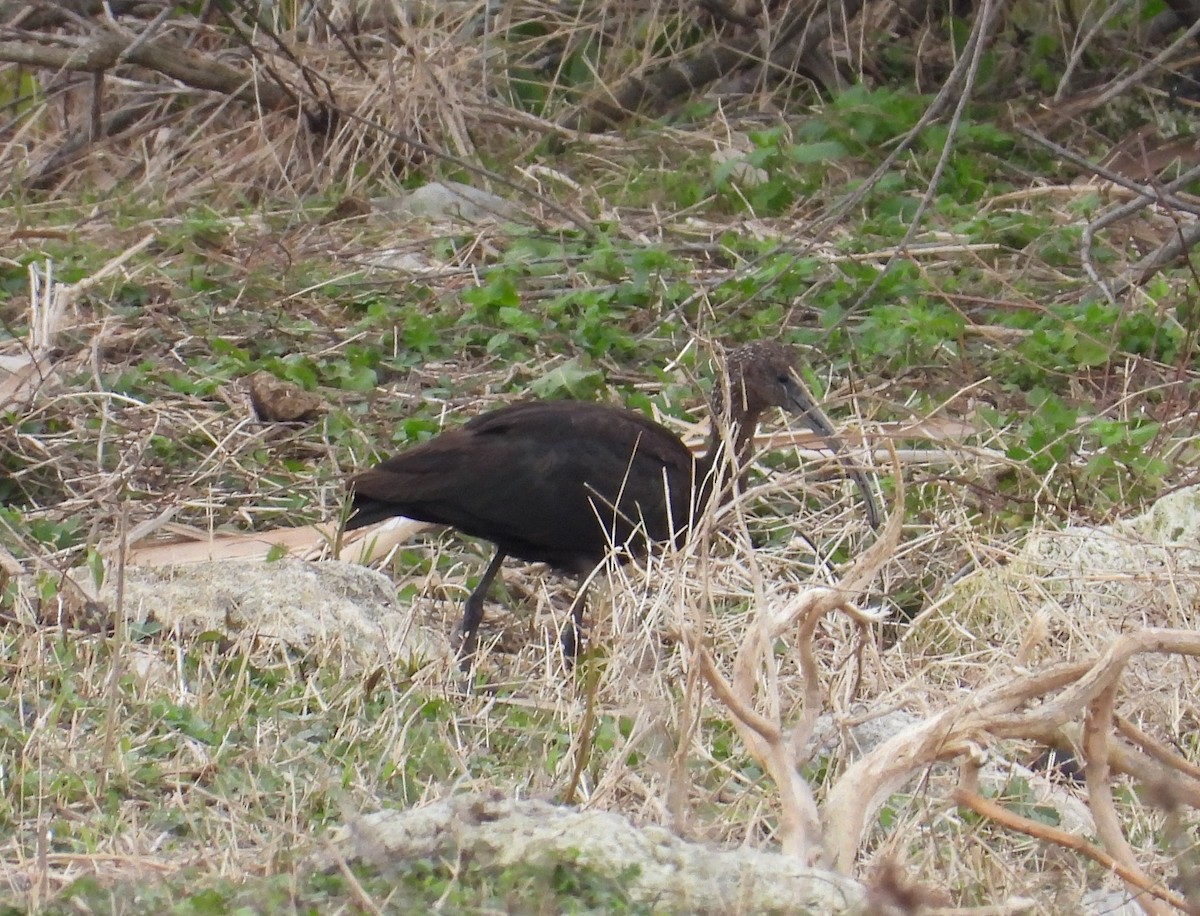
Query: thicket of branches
column 335, row 91
column 234, row 101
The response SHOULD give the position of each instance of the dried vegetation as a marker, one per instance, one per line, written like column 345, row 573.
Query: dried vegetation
column 195, row 198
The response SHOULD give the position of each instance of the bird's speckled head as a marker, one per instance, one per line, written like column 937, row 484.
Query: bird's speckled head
column 759, row 374
column 765, row 374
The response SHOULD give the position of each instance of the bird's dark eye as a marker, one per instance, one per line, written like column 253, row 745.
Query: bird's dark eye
column 784, row 378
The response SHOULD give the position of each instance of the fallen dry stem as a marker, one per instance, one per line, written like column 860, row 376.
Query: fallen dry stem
column 1155, row 749
column 1099, row 784
column 767, row 738
column 1001, row 815
column 105, row 47
column 1100, row 674
column 1127, row 760
column 1014, row 708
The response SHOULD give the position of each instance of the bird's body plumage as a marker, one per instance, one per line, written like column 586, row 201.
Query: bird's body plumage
column 564, row 482
column 541, row 480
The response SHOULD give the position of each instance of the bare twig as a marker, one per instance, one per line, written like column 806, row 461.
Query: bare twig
column 1001, row 815
column 104, row 48
column 1004, row 710
column 1155, row 749
column 1097, row 723
column 766, row 737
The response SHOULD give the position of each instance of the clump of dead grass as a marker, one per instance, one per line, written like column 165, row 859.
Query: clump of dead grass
column 231, row 107
column 656, row 727
column 753, row 647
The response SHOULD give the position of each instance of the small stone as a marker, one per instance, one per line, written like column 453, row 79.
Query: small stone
column 277, row 401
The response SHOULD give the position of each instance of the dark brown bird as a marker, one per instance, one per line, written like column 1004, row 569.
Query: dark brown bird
column 568, row 482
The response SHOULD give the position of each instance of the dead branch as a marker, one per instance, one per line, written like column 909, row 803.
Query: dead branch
column 1154, row 764
column 25, row 15
column 767, row 739
column 1104, row 810
column 994, row 812
column 1020, row 708
column 1156, row 750
column 106, row 47
column 1102, row 672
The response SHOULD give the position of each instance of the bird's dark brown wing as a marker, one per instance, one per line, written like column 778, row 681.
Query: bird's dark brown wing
column 550, row 481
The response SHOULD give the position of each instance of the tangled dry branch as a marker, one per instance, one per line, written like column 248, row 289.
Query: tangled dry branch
column 106, row 47
column 769, row 740
column 1028, row 707
column 1069, row 704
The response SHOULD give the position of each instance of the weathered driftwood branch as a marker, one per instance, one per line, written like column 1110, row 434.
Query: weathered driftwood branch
column 772, row 743
column 1017, row 708
column 106, row 48
column 795, row 40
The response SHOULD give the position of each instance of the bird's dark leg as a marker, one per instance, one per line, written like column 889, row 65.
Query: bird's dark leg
column 468, row 630
column 572, row 637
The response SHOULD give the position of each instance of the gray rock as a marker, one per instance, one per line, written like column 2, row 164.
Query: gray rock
column 306, row 604
column 448, row 200
column 860, row 739
column 741, row 172
column 1109, row 903
column 674, row 875
column 1088, row 582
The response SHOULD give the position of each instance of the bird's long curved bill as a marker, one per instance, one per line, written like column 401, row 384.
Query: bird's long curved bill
column 804, row 405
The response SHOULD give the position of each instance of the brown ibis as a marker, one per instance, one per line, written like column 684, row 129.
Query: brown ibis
column 568, row 483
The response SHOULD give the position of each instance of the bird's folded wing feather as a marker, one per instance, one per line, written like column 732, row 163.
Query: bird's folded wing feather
column 541, row 478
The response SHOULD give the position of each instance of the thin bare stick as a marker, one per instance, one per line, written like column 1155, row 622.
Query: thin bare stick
column 1006, row 818
column 1154, row 748
column 1100, row 798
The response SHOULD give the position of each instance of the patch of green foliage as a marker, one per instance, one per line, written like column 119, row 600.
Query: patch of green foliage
column 355, row 743
column 412, row 886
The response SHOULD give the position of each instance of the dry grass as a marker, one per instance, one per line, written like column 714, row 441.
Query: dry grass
column 139, row 757
column 638, row 730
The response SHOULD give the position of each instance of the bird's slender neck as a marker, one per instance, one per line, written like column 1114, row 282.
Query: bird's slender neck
column 715, row 465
